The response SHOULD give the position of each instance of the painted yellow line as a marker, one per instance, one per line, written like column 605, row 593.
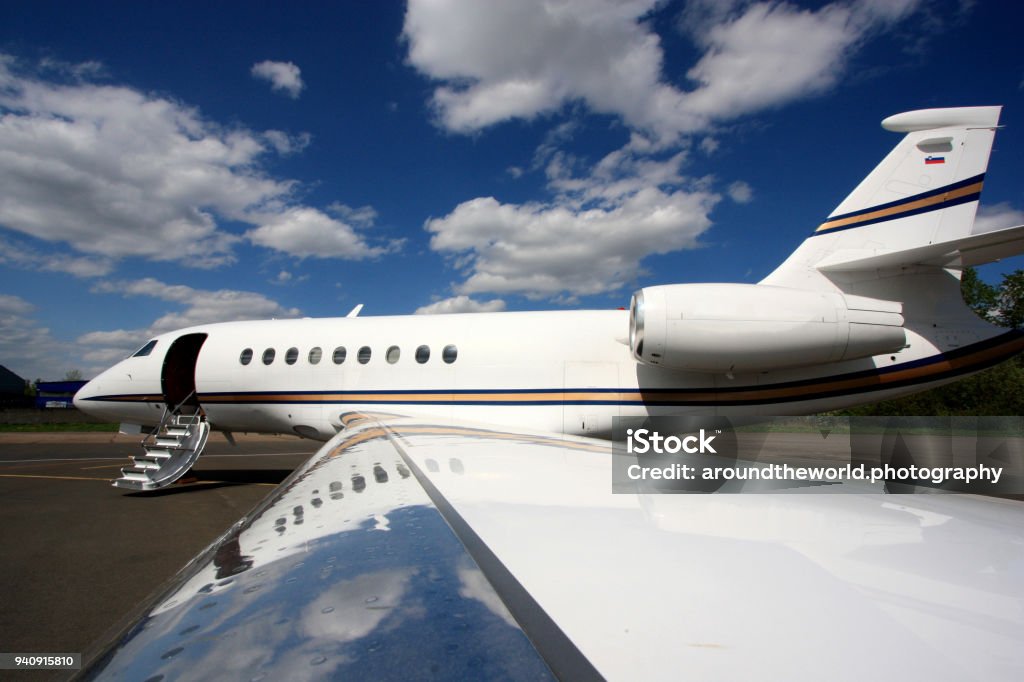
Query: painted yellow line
column 62, row 478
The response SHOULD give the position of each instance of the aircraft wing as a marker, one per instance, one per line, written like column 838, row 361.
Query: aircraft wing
column 977, row 249
column 406, row 549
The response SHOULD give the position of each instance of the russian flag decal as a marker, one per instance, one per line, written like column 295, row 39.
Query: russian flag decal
column 931, row 160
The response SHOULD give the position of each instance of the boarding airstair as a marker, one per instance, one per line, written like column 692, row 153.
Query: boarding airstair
column 170, row 449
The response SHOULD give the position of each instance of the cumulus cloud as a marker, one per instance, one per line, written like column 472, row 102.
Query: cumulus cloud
column 494, row 63
column 491, row 63
column 547, row 250
column 310, row 233
column 282, row 76
column 286, row 144
column 996, row 217
column 461, row 304
column 741, row 192
column 117, row 173
column 20, row 255
column 589, row 239
column 28, row 348
column 197, row 306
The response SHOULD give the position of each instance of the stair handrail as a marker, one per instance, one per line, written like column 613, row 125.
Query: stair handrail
column 166, row 416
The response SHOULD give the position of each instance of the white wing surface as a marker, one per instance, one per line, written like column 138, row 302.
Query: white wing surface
column 407, row 550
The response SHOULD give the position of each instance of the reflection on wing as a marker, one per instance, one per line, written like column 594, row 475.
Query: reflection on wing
column 406, row 549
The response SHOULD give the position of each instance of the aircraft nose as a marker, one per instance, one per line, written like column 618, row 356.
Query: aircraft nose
column 81, row 399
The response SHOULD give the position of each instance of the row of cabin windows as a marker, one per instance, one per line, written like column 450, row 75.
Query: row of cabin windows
column 392, row 355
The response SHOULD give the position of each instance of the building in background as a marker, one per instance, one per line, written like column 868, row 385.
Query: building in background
column 12, row 389
column 57, row 394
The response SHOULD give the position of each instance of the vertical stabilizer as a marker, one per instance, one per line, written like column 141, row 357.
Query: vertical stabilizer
column 924, row 192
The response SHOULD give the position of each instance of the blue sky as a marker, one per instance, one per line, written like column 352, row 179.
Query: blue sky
column 168, row 164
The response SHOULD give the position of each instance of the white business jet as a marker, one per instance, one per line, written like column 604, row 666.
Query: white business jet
column 867, row 308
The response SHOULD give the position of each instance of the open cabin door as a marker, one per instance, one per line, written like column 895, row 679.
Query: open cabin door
column 178, row 376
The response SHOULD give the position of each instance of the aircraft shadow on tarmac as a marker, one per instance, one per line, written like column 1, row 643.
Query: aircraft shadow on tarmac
column 207, row 479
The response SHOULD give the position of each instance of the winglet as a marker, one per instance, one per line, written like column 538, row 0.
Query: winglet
column 355, row 311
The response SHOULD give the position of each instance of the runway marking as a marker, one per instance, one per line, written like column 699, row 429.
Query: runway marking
column 63, row 478
column 104, row 466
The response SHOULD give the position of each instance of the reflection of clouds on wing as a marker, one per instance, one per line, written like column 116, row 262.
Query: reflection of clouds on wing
column 474, row 585
column 331, row 616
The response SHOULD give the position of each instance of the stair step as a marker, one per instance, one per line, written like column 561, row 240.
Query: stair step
column 135, row 474
column 168, row 455
column 129, row 484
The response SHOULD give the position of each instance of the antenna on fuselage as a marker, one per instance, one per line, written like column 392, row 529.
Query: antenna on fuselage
column 355, row 311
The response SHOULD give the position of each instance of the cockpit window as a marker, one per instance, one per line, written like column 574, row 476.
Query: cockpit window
column 145, row 350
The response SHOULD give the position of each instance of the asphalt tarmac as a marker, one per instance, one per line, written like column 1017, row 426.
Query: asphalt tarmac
column 78, row 556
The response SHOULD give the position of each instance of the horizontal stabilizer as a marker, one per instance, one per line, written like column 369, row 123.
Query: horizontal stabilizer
column 974, row 250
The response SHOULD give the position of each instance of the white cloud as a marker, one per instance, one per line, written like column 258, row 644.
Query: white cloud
column 741, row 192
column 286, row 144
column 22, row 256
column 309, row 233
column 198, row 306
column 996, row 217
column 282, row 76
column 709, row 145
column 27, row 348
column 498, row 62
column 118, row 173
column 544, row 250
column 461, row 304
column 363, row 216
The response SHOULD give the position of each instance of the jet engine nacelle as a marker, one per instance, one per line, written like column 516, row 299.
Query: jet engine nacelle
column 756, row 328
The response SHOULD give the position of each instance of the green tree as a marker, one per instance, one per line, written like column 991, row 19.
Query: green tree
column 73, row 375
column 1009, row 303
column 979, row 296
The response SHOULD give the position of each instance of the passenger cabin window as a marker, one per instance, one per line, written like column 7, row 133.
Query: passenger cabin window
column 422, row 354
column 339, row 355
column 364, row 355
column 393, row 354
column 314, row 355
column 449, row 354
column 268, row 356
column 291, row 356
column 145, row 350
column 246, row 357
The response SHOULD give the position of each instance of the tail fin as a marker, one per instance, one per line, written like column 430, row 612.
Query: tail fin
column 920, row 200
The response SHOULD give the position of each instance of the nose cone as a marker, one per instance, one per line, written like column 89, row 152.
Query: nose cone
column 84, row 395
